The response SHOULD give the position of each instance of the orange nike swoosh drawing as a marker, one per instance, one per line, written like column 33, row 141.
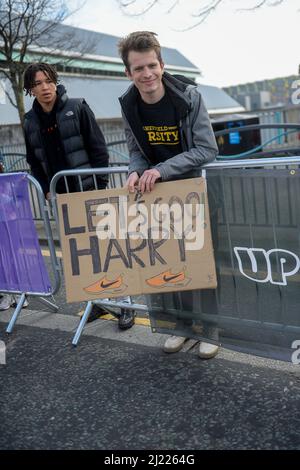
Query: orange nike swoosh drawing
column 167, row 279
column 106, row 285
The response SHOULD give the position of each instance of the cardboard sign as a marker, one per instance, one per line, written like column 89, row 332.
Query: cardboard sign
column 115, row 243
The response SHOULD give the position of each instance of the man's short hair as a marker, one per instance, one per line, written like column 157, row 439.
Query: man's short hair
column 138, row 41
column 32, row 69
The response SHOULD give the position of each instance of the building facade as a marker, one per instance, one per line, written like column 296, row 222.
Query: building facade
column 265, row 93
column 98, row 75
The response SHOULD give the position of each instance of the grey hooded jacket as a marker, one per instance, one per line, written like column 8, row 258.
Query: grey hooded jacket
column 197, row 137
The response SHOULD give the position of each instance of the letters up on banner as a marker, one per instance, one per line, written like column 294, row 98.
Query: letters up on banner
column 115, row 243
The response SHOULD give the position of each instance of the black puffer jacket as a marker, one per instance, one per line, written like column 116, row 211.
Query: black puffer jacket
column 82, row 142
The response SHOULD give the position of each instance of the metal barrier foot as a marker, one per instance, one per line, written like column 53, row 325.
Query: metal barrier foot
column 16, row 314
column 82, row 323
column 49, row 304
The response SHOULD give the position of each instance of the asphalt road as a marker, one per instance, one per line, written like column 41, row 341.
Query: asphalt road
column 118, row 390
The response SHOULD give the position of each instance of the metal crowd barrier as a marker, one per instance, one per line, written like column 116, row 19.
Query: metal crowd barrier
column 29, row 255
column 276, row 140
column 254, row 209
column 16, row 162
column 117, row 147
column 254, row 212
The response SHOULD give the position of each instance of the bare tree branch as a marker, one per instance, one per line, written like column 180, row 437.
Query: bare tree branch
column 262, row 3
column 128, row 7
column 203, row 13
column 175, row 4
column 126, row 3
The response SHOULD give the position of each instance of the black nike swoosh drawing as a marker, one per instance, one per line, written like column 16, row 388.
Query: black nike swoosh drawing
column 108, row 284
column 170, row 278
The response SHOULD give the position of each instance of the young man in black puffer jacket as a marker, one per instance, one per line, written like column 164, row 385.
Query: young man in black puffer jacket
column 61, row 133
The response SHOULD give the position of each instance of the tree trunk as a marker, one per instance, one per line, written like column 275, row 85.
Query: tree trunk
column 20, row 104
column 16, row 80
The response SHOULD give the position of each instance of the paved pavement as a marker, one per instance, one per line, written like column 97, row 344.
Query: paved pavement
column 118, row 390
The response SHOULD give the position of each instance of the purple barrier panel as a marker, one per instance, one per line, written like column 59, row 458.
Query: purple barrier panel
column 22, row 266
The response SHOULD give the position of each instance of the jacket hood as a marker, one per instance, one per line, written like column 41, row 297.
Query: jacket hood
column 176, row 86
column 61, row 95
column 180, row 82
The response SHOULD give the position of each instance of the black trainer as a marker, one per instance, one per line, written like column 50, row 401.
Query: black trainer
column 126, row 319
column 96, row 313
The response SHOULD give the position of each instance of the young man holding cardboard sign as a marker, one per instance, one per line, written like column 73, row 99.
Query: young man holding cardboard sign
column 167, row 127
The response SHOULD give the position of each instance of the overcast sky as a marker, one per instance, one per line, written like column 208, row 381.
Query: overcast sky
column 231, row 47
